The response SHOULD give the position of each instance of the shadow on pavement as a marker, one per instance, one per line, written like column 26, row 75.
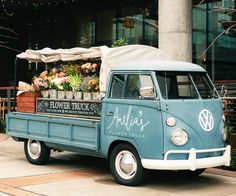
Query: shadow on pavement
column 153, row 178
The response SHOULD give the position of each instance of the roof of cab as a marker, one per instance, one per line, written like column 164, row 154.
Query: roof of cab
column 158, row 65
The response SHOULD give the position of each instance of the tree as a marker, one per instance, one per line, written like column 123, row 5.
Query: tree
column 7, row 34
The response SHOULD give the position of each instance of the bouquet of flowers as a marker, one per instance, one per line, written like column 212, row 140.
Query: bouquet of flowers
column 40, row 83
column 93, row 84
column 61, row 83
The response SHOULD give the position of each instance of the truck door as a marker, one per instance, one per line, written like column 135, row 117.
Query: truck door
column 132, row 117
column 190, row 99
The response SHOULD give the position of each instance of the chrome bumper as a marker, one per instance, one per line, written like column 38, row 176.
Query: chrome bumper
column 192, row 163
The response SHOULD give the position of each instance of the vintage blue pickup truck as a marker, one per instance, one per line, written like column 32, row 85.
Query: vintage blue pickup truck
column 156, row 114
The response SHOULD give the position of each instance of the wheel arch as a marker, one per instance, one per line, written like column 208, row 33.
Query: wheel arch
column 117, row 142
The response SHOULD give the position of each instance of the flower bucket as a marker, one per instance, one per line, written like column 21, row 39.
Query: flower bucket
column 53, row 93
column 61, row 94
column 45, row 94
column 69, row 94
column 95, row 95
column 87, row 96
column 78, row 95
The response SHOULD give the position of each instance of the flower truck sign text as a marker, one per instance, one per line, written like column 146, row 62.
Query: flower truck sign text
column 82, row 108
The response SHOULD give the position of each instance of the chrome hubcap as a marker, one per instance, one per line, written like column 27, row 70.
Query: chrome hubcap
column 34, row 149
column 126, row 164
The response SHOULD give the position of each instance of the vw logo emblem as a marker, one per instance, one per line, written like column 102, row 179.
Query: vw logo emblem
column 206, row 120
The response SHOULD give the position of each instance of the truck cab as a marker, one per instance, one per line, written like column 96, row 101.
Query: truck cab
column 168, row 114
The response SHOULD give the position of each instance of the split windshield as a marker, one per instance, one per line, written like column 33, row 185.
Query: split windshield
column 185, row 85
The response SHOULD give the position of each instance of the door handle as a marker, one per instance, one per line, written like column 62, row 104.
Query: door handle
column 110, row 113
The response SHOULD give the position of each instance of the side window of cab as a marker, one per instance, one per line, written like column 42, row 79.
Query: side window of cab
column 132, row 86
column 117, row 86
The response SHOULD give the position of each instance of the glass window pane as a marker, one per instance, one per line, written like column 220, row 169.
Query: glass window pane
column 117, row 86
column 204, row 86
column 132, row 86
column 176, row 85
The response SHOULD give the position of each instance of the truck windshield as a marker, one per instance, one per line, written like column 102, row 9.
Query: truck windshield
column 185, row 85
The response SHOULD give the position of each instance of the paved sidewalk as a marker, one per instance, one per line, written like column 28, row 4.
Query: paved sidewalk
column 73, row 175
column 221, row 172
column 3, row 136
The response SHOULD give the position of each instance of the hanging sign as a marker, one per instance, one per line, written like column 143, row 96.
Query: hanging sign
column 69, row 107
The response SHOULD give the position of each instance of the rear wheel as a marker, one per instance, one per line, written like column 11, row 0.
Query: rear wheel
column 36, row 152
column 126, row 166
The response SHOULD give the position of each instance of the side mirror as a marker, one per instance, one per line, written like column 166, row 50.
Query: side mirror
column 147, row 92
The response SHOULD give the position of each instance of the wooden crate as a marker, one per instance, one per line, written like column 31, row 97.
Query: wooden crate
column 26, row 102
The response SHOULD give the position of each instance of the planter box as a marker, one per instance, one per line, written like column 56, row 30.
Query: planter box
column 26, row 102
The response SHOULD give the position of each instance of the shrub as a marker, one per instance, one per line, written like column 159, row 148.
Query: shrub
column 119, row 42
column 233, row 159
column 233, row 150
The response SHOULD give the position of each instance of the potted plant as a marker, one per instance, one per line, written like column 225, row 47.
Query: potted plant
column 54, row 82
column 94, row 87
column 41, row 85
column 75, row 82
column 53, row 87
column 87, row 95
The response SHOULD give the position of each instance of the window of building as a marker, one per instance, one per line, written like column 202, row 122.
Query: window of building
column 214, row 37
column 138, row 24
column 86, row 31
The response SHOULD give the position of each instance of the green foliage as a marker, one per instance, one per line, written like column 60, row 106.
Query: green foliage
column 66, row 86
column 229, row 130
column 75, row 82
column 233, row 150
column 71, row 69
column 119, row 42
column 85, row 84
column 2, row 126
column 233, row 159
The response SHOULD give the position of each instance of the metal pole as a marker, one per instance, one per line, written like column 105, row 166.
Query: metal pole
column 15, row 81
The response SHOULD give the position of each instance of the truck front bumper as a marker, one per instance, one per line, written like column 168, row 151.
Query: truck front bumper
column 192, row 163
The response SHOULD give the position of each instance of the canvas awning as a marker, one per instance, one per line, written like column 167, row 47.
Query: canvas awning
column 110, row 57
column 48, row 55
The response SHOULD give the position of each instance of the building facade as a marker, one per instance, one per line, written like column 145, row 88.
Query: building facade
column 203, row 30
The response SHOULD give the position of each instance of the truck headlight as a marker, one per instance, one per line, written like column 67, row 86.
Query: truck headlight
column 171, row 121
column 179, row 137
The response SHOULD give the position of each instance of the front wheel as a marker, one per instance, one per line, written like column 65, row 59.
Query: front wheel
column 126, row 166
column 36, row 152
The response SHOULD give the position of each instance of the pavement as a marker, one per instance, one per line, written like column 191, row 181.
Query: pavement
column 70, row 174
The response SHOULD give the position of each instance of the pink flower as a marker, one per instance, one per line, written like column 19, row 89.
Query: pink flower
column 39, row 84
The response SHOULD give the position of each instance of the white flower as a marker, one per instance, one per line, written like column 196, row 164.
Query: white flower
column 56, row 81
